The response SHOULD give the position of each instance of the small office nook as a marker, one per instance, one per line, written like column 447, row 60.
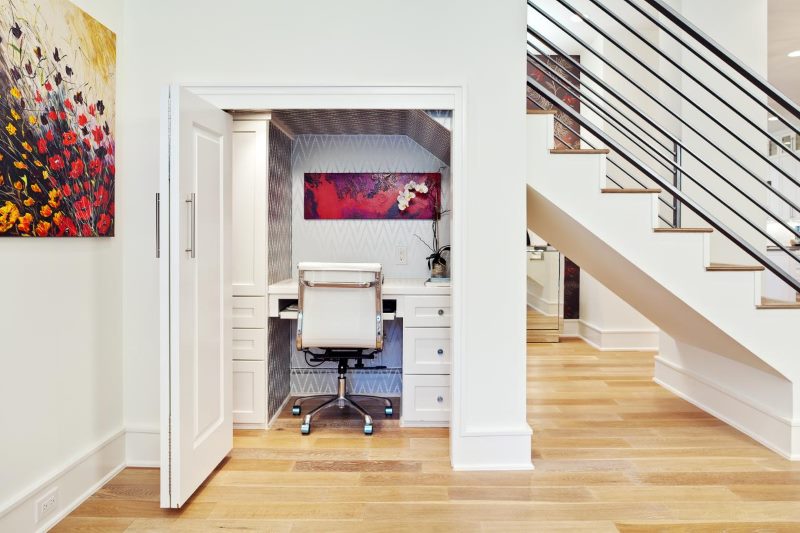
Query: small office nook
column 342, row 193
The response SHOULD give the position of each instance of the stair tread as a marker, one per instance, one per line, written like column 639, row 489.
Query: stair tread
column 542, row 111
column 582, row 151
column 683, row 230
column 611, row 190
column 778, row 305
column 722, row 267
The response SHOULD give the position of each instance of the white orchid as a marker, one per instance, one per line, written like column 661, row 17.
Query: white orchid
column 407, row 194
column 421, row 188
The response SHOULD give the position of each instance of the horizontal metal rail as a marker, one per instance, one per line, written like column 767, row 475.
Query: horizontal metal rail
column 660, row 52
column 670, row 164
column 663, row 27
column 729, row 59
column 641, row 114
column 657, row 76
column 701, row 212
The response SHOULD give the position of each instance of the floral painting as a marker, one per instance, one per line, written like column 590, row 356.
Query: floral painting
column 563, row 136
column 397, row 196
column 57, row 68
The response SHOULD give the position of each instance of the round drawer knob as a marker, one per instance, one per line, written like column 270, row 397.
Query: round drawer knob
column 439, row 399
column 441, row 312
column 440, row 351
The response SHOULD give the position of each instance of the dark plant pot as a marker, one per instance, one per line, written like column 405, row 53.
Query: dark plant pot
column 438, row 270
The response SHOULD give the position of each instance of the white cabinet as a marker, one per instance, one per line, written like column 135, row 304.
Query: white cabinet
column 249, row 198
column 427, row 350
column 250, row 144
column 249, row 392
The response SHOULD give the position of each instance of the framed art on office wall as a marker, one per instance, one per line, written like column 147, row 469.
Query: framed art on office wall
column 57, row 97
column 376, row 196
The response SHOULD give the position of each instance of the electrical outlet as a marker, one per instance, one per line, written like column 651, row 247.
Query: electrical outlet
column 47, row 504
column 402, row 255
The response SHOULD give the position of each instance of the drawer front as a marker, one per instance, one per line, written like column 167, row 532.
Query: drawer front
column 249, row 312
column 427, row 312
column 249, row 392
column 426, row 398
column 426, row 350
column 249, row 344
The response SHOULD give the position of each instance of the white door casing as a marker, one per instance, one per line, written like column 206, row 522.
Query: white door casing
column 196, row 296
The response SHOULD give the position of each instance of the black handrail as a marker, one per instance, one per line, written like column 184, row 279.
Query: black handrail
column 702, row 161
column 663, row 27
column 660, row 52
column 650, row 173
column 671, row 165
column 641, row 114
column 669, row 84
column 729, row 59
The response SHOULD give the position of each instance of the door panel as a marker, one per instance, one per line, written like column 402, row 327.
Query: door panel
column 198, row 431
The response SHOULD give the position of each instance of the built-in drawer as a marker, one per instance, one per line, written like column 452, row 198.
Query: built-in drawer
column 249, row 392
column 427, row 312
column 249, row 312
column 426, row 350
column 426, row 398
column 249, row 344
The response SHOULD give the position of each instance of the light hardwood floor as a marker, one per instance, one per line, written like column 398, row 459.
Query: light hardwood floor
column 612, row 450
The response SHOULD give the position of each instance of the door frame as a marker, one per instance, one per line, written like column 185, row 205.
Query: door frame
column 238, row 97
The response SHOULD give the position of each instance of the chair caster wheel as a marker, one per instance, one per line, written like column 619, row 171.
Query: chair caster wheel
column 388, row 411
column 368, row 429
column 305, row 429
column 296, row 410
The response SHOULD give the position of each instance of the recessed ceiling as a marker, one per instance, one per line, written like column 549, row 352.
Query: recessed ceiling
column 416, row 124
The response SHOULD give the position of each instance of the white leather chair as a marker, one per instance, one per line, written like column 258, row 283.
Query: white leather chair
column 339, row 318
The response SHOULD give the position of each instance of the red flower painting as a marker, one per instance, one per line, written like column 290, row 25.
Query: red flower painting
column 56, row 103
column 333, row 196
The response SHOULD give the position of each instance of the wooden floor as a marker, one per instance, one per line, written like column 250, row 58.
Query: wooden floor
column 612, row 450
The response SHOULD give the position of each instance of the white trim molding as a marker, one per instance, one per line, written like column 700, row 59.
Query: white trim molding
column 614, row 340
column 775, row 431
column 72, row 483
column 142, row 446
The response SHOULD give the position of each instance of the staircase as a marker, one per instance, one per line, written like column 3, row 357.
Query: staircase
column 673, row 219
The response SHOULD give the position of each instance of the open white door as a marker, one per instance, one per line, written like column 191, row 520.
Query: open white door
column 196, row 301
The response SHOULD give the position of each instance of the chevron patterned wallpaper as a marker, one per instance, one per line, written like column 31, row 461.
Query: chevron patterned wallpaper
column 279, row 264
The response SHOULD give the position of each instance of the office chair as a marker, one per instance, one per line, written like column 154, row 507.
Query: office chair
column 339, row 319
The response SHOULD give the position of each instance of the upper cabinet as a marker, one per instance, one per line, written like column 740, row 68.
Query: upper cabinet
column 249, row 197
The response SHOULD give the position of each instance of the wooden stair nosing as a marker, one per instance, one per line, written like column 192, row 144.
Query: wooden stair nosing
column 542, row 111
column 611, row 190
column 784, row 305
column 579, row 151
column 721, row 267
column 683, row 230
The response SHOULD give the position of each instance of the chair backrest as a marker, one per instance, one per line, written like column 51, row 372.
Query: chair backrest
column 340, row 306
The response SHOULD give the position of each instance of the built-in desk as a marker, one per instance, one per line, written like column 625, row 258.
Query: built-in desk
column 427, row 347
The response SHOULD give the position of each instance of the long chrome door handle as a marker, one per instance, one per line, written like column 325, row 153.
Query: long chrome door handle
column 192, row 201
column 158, row 225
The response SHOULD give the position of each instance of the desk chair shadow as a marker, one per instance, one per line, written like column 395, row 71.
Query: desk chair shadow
column 339, row 319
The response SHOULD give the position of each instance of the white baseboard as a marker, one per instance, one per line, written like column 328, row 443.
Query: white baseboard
column 510, row 446
column 546, row 307
column 776, row 432
column 73, row 483
column 618, row 340
column 571, row 328
column 142, row 446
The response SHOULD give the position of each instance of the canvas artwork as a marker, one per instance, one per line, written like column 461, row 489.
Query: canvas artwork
column 394, row 196
column 57, row 67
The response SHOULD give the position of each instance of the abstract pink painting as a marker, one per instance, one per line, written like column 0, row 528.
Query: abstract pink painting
column 393, row 196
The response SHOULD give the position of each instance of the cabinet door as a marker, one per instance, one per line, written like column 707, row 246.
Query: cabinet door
column 249, row 190
column 249, row 392
column 426, row 399
column 427, row 312
column 249, row 344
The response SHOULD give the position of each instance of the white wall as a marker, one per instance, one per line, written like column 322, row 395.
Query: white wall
column 364, row 240
column 322, row 43
column 61, row 357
